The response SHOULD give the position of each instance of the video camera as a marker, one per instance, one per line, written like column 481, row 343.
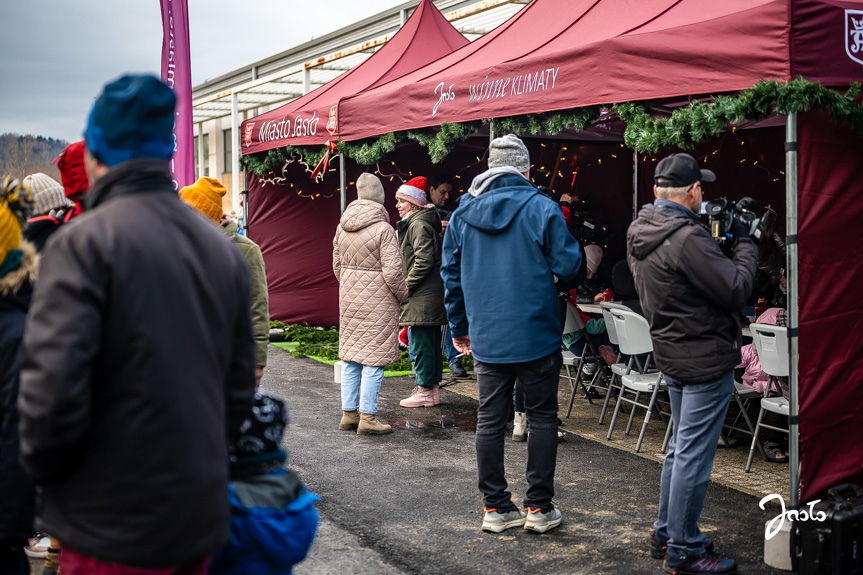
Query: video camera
column 722, row 213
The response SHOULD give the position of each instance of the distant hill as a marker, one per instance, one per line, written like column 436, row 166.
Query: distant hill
column 23, row 155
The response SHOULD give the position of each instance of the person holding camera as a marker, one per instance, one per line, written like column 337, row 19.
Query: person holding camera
column 691, row 294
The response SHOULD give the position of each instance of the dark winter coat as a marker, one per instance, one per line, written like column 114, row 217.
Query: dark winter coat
column 17, row 493
column 138, row 362
column 691, row 293
column 420, row 240
column 39, row 229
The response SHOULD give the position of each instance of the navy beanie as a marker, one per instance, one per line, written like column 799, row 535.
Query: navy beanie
column 133, row 117
column 261, row 432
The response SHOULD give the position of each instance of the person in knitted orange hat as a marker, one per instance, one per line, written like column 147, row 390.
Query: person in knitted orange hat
column 205, row 195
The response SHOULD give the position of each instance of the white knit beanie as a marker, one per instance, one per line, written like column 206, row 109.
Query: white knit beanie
column 369, row 188
column 47, row 193
column 509, row 150
column 594, row 257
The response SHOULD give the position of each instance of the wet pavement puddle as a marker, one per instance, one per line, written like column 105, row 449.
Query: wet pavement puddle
column 434, row 426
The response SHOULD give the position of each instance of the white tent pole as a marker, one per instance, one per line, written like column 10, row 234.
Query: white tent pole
column 342, row 180
column 791, row 279
column 490, row 132
column 235, row 154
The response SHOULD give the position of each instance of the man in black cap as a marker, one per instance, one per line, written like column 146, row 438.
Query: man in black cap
column 691, row 294
column 138, row 362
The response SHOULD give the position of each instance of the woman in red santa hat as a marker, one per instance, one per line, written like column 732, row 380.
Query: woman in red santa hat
column 420, row 239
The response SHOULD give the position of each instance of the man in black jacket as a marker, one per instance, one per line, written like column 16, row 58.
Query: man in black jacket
column 138, row 358
column 691, row 294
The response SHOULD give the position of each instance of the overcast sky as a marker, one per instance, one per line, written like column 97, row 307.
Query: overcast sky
column 55, row 55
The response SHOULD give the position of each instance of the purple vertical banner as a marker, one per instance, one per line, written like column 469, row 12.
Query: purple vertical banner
column 177, row 73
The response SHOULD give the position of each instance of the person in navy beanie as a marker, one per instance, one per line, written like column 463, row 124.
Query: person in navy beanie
column 138, row 362
column 273, row 516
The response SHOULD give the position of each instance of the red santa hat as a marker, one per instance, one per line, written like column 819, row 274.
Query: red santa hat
column 414, row 191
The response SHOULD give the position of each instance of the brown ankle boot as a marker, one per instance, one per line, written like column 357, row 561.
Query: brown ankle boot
column 369, row 425
column 350, row 420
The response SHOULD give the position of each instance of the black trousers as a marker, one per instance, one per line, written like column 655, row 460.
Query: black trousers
column 539, row 378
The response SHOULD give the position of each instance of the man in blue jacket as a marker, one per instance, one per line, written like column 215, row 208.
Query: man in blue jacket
column 504, row 246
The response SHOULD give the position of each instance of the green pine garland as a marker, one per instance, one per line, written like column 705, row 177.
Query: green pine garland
column 683, row 129
column 702, row 120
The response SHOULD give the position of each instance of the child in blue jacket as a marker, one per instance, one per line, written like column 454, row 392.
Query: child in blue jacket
column 273, row 517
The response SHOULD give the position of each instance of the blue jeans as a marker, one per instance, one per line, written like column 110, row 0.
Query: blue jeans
column 697, row 411
column 361, row 385
column 495, row 381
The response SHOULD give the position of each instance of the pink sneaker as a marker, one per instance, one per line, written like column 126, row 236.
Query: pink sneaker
column 436, row 394
column 421, row 397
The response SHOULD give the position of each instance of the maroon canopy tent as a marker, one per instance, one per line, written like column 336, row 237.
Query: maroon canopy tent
column 310, row 120
column 561, row 55
column 558, row 55
column 295, row 232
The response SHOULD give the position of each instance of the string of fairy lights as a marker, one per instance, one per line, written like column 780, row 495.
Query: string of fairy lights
column 562, row 172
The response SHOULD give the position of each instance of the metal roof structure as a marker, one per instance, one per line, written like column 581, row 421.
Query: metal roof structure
column 294, row 72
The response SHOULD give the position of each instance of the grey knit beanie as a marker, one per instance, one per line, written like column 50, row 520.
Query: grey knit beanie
column 509, row 150
column 369, row 187
column 47, row 193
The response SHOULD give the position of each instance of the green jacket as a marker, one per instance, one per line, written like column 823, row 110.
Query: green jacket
column 420, row 241
column 251, row 254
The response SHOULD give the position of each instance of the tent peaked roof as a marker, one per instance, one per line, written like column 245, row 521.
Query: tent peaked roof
column 426, row 36
column 556, row 55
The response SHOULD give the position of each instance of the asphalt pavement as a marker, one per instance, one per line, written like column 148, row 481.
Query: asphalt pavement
column 407, row 502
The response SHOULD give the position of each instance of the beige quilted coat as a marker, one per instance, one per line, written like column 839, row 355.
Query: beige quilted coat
column 368, row 266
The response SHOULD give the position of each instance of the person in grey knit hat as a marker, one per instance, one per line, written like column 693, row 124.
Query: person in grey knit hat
column 503, row 247
column 48, row 194
column 50, row 207
column 368, row 267
column 509, row 150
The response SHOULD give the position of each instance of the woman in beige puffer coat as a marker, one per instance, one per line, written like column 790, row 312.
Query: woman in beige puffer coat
column 368, row 267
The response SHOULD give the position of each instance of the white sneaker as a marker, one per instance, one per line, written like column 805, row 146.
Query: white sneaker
column 37, row 547
column 541, row 522
column 495, row 522
column 519, row 426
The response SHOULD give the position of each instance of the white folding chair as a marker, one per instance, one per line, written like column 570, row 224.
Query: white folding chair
column 741, row 396
column 618, row 369
column 771, row 344
column 573, row 323
column 633, row 334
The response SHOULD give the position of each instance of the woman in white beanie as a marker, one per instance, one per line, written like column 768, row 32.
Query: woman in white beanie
column 420, row 239
column 368, row 268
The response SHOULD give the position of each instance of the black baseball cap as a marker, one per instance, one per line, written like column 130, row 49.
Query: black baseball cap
column 678, row 170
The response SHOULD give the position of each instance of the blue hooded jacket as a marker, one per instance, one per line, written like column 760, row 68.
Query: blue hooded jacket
column 502, row 248
column 273, row 525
